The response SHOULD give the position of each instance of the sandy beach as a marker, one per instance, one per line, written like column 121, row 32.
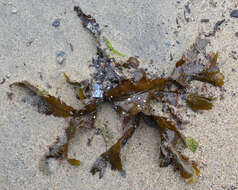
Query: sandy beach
column 156, row 31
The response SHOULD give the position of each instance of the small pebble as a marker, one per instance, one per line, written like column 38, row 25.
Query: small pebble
column 2, row 80
column 167, row 42
column 234, row 13
column 56, row 23
column 123, row 173
column 9, row 76
column 171, row 57
column 60, row 57
column 14, row 11
column 29, row 43
column 236, row 34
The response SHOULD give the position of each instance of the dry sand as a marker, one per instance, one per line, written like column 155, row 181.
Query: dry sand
column 28, row 44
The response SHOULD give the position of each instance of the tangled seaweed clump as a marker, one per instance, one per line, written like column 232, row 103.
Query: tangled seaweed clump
column 132, row 97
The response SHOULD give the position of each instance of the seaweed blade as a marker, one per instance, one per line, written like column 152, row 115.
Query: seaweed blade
column 55, row 106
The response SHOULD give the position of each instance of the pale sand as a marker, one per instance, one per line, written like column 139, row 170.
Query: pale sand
column 134, row 28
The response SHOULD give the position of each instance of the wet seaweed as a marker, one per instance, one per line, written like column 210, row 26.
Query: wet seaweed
column 212, row 74
column 190, row 68
column 169, row 155
column 132, row 98
column 54, row 105
column 112, row 156
column 196, row 102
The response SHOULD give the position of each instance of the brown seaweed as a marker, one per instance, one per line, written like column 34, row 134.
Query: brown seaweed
column 196, row 102
column 164, row 123
column 132, row 62
column 54, row 105
column 128, row 87
column 139, row 102
column 169, row 155
column 59, row 150
column 132, row 99
column 82, row 88
column 170, row 135
column 212, row 74
column 112, row 156
column 184, row 74
column 191, row 68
